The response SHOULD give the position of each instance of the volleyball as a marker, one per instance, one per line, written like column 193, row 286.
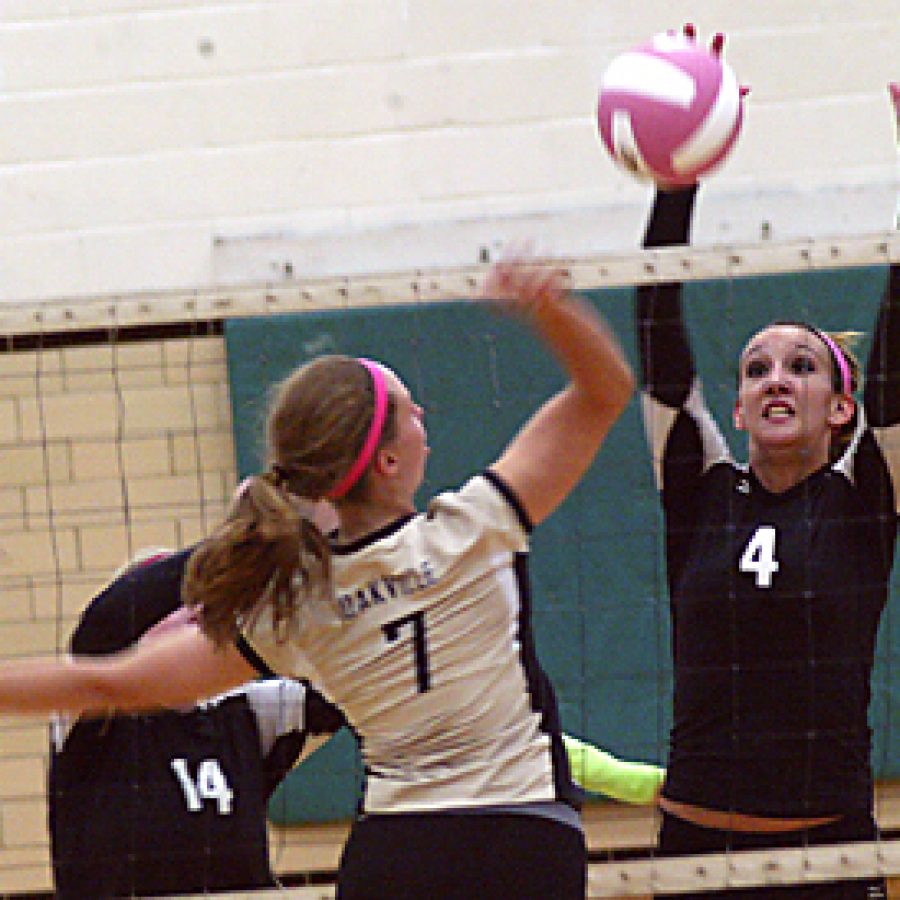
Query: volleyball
column 670, row 110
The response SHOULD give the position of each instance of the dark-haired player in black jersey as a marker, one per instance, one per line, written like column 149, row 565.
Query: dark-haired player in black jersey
column 174, row 802
column 778, row 575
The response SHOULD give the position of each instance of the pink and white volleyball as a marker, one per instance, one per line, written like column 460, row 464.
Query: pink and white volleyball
column 670, row 110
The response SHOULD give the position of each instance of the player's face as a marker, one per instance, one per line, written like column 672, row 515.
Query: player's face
column 409, row 446
column 786, row 400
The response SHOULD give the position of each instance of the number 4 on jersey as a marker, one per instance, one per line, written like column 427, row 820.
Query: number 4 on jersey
column 759, row 556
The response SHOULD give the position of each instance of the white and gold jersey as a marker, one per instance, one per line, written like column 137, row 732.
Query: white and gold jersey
column 427, row 649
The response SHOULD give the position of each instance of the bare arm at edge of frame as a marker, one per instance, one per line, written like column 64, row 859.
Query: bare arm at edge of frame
column 172, row 670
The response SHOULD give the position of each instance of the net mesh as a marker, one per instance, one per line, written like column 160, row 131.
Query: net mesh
column 116, row 431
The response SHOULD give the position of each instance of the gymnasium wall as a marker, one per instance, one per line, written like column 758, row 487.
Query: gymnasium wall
column 157, row 144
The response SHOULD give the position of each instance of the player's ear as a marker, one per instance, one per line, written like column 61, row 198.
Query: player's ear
column 385, row 462
column 841, row 412
column 738, row 416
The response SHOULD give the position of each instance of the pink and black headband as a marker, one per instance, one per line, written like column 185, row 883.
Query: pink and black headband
column 373, row 438
column 840, row 360
column 838, row 357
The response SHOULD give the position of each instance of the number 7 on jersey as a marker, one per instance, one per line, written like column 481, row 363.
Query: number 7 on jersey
column 415, row 621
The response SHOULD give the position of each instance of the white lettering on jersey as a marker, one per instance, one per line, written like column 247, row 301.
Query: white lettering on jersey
column 210, row 784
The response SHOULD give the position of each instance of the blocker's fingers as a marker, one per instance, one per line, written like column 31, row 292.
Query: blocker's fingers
column 894, row 88
column 717, row 43
column 690, row 32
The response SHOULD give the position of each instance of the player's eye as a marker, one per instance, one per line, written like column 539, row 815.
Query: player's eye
column 803, row 365
column 756, row 368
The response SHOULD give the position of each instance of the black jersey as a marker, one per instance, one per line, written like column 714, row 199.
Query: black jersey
column 776, row 598
column 174, row 802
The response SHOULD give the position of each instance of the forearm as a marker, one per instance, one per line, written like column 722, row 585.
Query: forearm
column 170, row 671
column 47, row 685
column 667, row 366
column 588, row 351
column 601, row 772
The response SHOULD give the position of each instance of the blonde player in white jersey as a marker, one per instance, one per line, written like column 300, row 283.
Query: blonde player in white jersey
column 417, row 625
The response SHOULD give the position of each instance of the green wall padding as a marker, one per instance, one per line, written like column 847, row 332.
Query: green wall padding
column 601, row 610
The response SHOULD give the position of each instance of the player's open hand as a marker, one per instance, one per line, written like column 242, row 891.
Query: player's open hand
column 524, row 286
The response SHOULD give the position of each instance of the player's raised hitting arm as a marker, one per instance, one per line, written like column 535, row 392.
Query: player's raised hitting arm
column 554, row 449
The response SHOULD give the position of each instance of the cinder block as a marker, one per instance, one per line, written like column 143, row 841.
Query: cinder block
column 159, row 533
column 78, row 501
column 64, row 600
column 131, row 456
column 177, row 492
column 30, row 638
column 149, row 409
column 10, row 426
column 37, row 553
column 22, row 776
column 16, row 603
column 67, row 416
column 215, row 372
column 141, row 355
column 191, row 352
column 778, row 62
column 104, row 547
column 24, row 822
column 194, row 528
column 12, row 509
column 108, row 259
column 94, row 459
column 33, row 363
column 33, row 463
column 91, row 358
column 216, row 488
column 211, row 450
column 24, row 740
column 97, row 382
column 24, row 870
column 139, row 378
column 17, row 386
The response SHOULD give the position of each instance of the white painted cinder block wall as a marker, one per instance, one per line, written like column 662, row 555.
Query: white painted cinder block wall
column 148, row 145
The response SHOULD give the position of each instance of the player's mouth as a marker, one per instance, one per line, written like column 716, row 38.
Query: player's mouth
column 778, row 412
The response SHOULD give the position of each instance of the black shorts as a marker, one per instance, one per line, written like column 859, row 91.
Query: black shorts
column 446, row 856
column 680, row 838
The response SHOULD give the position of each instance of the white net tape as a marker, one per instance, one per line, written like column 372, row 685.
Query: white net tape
column 709, row 872
column 642, row 267
column 744, row 869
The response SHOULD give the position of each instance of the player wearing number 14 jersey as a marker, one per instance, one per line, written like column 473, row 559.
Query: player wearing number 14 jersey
column 174, row 802
column 777, row 570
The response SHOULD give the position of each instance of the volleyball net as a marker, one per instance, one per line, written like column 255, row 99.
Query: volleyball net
column 125, row 423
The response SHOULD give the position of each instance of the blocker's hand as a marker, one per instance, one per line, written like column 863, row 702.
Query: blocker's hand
column 894, row 89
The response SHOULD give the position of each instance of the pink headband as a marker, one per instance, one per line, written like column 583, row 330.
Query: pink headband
column 372, row 438
column 841, row 361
